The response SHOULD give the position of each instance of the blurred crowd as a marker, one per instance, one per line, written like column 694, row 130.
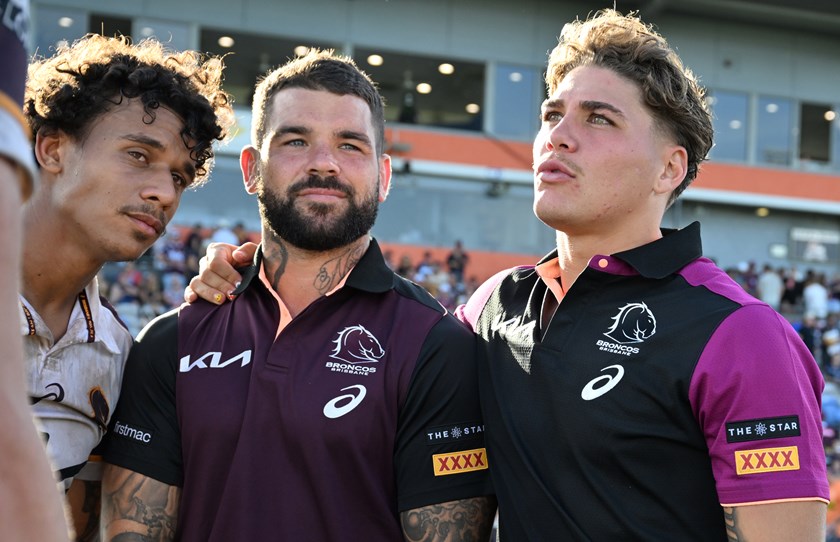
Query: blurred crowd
column 155, row 283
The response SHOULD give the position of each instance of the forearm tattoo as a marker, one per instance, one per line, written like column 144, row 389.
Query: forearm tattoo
column 90, row 511
column 733, row 531
column 467, row 520
column 335, row 269
column 138, row 508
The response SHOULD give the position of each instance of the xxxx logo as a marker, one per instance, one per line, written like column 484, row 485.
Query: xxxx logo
column 458, row 462
column 767, row 460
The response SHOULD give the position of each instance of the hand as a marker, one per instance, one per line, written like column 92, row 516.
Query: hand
column 217, row 278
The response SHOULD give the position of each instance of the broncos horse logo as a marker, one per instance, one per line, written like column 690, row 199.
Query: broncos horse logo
column 355, row 344
column 633, row 324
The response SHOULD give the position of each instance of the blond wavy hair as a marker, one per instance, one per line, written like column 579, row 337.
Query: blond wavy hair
column 634, row 50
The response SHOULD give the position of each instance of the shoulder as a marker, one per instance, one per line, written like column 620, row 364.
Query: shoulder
column 702, row 272
column 472, row 310
column 415, row 292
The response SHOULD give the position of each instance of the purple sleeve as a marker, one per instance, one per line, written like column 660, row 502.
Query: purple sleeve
column 756, row 395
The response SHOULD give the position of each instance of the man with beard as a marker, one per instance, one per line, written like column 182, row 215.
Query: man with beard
column 332, row 399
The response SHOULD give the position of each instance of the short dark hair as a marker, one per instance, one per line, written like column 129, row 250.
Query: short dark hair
column 318, row 70
column 632, row 49
column 82, row 81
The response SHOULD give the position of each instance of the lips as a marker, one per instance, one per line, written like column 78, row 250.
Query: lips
column 554, row 170
column 153, row 223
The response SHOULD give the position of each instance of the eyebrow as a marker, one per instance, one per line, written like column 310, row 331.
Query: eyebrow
column 188, row 167
column 587, row 105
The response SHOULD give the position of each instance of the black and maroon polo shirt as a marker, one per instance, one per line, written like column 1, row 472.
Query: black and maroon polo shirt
column 363, row 406
column 658, row 392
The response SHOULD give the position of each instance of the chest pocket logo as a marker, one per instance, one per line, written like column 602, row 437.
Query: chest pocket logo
column 599, row 386
column 355, row 344
column 333, row 410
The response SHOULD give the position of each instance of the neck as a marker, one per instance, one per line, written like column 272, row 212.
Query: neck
column 54, row 270
column 300, row 276
column 575, row 251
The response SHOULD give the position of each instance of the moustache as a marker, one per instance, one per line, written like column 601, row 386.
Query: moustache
column 316, row 181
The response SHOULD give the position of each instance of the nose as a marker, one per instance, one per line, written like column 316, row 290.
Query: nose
column 560, row 136
column 323, row 161
column 160, row 187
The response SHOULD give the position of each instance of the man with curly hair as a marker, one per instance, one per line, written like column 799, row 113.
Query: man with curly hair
column 120, row 130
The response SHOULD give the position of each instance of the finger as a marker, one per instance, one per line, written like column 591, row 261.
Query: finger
column 245, row 253
column 189, row 295
column 220, row 262
column 198, row 289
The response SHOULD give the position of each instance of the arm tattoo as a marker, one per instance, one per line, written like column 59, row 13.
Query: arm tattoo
column 334, row 270
column 138, row 508
column 467, row 520
column 733, row 531
column 90, row 511
column 276, row 253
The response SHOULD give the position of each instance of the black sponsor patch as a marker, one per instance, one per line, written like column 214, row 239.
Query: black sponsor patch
column 762, row 429
column 455, row 432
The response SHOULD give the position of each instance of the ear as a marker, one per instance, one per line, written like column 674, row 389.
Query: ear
column 675, row 167
column 384, row 176
column 50, row 148
column 249, row 160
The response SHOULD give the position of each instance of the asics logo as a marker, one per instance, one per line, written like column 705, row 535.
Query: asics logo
column 599, row 386
column 333, row 409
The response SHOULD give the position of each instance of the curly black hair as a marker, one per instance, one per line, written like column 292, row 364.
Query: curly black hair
column 82, row 81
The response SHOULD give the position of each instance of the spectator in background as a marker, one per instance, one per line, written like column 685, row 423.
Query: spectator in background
column 792, row 296
column 810, row 333
column 815, row 295
column 194, row 245
column 770, row 287
column 241, row 233
column 425, row 268
column 224, row 234
column 457, row 260
column 405, row 268
column 152, row 302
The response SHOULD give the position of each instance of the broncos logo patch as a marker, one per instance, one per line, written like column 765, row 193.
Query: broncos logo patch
column 355, row 344
column 633, row 324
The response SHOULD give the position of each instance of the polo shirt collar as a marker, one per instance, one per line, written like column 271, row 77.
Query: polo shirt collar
column 370, row 274
column 660, row 258
column 667, row 255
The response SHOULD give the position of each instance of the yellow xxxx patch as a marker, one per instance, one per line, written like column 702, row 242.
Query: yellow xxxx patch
column 459, row 462
column 767, row 460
